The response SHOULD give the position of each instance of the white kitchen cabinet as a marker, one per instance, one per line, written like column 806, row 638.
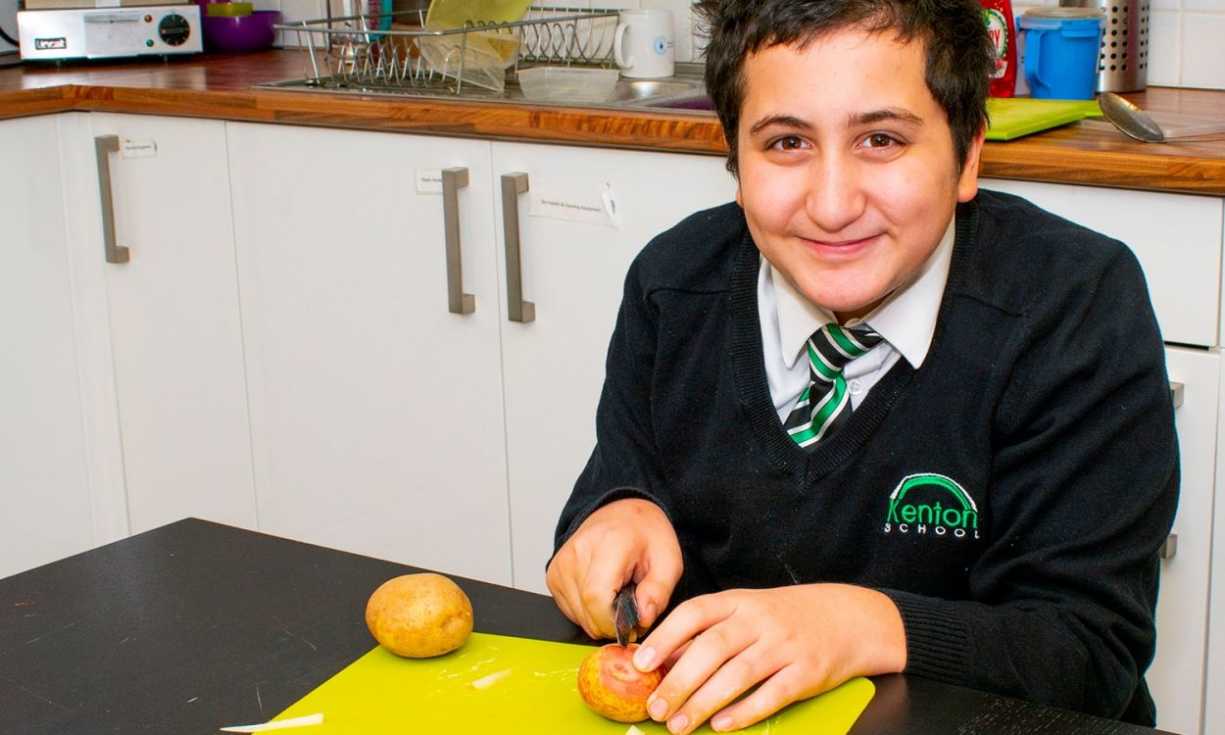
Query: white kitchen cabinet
column 1176, row 237
column 1214, row 705
column 1177, row 673
column 376, row 411
column 44, row 454
column 172, row 332
column 584, row 215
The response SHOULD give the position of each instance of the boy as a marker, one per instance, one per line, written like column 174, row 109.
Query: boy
column 869, row 419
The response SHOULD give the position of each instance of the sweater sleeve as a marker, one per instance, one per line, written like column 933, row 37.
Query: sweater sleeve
column 1083, row 493
column 624, row 462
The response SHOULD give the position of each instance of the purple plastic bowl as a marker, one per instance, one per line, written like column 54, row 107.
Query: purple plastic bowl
column 241, row 33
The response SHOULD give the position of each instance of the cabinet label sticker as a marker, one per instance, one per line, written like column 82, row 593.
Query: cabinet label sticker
column 595, row 207
column 429, row 181
column 137, row 148
column 50, row 44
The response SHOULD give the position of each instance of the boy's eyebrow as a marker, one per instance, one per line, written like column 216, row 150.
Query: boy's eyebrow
column 790, row 121
column 856, row 119
column 887, row 113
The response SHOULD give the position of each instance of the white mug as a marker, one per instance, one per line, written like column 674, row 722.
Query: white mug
column 644, row 45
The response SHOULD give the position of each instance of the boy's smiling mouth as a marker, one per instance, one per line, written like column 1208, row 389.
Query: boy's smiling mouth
column 846, row 249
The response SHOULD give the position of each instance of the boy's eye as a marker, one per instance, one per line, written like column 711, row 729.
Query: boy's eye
column 787, row 143
column 880, row 140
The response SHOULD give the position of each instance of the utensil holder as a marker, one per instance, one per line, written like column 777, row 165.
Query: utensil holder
column 1123, row 59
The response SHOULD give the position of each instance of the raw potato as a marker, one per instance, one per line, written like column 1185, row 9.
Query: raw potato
column 611, row 686
column 419, row 615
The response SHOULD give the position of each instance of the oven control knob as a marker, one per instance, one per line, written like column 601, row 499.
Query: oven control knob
column 174, row 30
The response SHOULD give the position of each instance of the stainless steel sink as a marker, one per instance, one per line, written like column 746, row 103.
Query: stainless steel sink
column 644, row 90
column 691, row 102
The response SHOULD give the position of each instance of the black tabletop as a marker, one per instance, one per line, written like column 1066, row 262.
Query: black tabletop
column 196, row 625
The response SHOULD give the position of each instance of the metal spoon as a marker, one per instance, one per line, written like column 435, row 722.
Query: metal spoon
column 1138, row 124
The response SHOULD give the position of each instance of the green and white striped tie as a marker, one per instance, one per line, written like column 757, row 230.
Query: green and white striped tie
column 825, row 404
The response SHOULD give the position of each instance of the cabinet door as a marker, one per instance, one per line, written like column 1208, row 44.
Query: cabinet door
column 376, row 411
column 1176, row 238
column 175, row 333
column 574, row 258
column 1214, row 705
column 44, row 487
column 1177, row 674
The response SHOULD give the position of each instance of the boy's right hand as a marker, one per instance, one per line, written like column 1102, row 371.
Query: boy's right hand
column 626, row 540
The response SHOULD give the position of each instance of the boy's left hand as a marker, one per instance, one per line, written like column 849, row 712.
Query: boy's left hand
column 795, row 641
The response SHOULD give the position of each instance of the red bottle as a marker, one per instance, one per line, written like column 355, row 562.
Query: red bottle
column 997, row 14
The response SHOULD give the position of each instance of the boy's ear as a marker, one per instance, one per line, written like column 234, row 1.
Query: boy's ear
column 967, row 180
column 739, row 197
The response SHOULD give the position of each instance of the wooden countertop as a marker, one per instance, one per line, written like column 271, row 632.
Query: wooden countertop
column 220, row 87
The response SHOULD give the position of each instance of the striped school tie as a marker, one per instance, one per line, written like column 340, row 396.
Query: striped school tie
column 825, row 404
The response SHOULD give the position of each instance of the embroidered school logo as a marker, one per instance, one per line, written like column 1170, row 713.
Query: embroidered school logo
column 929, row 504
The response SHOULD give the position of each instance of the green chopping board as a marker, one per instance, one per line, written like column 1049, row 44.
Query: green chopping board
column 523, row 686
column 1013, row 117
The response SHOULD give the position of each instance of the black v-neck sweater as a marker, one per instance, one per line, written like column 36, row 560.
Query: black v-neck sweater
column 1010, row 496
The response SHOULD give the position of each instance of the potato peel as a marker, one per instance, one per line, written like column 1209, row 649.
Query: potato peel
column 487, row 681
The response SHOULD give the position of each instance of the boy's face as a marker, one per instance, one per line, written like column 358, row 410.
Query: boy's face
column 848, row 176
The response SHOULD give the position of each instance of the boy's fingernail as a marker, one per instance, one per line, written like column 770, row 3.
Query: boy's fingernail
column 657, row 708
column 644, row 657
column 648, row 611
column 678, row 723
column 722, row 722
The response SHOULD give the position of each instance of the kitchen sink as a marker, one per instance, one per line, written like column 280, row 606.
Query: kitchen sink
column 645, row 90
column 696, row 102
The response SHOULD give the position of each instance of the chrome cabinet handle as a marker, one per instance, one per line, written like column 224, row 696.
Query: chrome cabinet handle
column 458, row 302
column 104, row 146
column 517, row 310
column 1170, row 548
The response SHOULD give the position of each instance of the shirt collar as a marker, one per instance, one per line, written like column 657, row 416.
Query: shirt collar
column 906, row 319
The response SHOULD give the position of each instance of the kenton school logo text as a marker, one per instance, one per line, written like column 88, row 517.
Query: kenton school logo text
column 928, row 504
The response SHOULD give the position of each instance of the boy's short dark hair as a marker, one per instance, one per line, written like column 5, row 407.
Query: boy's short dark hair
column 959, row 52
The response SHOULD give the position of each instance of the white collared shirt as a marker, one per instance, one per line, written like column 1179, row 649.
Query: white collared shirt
column 906, row 320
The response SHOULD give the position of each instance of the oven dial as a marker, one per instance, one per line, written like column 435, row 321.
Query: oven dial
column 174, row 29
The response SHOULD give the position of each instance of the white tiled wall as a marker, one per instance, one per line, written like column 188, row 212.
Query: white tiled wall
column 1186, row 42
column 292, row 11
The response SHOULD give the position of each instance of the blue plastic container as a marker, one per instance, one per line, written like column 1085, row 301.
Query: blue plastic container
column 1061, row 52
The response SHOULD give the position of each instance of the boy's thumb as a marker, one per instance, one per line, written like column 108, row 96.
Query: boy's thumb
column 654, row 591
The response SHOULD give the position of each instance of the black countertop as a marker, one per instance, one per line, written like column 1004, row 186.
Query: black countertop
column 196, row 625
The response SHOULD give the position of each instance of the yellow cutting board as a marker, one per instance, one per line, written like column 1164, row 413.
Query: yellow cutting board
column 1013, row 117
column 381, row 694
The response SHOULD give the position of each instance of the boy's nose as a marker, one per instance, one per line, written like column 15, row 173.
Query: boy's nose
column 835, row 195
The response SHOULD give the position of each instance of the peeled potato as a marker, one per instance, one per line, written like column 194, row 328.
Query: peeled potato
column 419, row 615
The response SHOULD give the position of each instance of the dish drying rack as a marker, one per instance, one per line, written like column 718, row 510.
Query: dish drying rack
column 359, row 51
